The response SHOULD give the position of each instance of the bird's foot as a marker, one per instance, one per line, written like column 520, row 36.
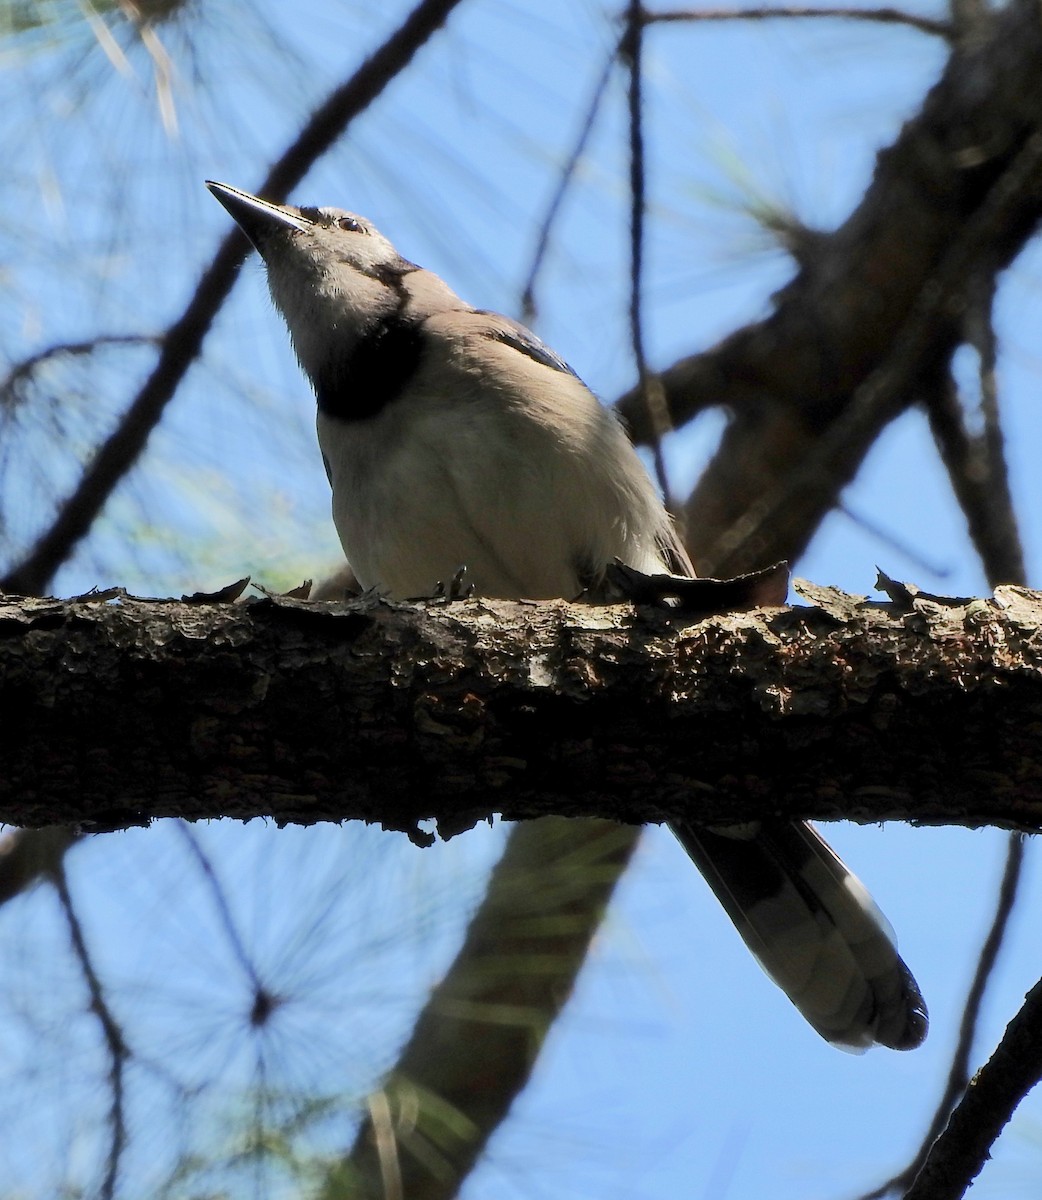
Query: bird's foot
column 456, row 589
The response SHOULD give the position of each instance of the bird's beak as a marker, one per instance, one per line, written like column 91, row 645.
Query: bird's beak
column 257, row 218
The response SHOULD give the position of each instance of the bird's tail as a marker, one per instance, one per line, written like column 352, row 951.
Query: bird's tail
column 814, row 929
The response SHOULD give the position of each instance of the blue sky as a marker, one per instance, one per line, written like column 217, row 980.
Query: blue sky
column 678, row 1069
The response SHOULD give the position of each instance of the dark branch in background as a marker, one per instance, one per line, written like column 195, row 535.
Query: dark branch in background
column 29, row 855
column 979, row 476
column 652, row 396
column 528, row 304
column 959, row 1070
column 184, row 339
column 23, row 371
column 888, row 388
column 885, row 16
column 817, row 349
column 264, row 1000
column 952, row 202
column 792, row 376
column 486, row 1021
column 36, row 852
column 998, row 1087
column 439, row 1059
column 111, row 1032
column 220, row 901
column 967, row 16
column 976, row 462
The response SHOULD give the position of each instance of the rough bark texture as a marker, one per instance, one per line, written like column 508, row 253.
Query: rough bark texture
column 920, row 709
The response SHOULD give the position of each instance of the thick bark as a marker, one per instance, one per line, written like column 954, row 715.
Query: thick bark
column 915, row 709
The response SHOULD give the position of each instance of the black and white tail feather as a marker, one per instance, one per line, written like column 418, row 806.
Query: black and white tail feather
column 453, row 436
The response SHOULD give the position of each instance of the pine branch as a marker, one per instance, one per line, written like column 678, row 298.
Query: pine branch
column 308, row 712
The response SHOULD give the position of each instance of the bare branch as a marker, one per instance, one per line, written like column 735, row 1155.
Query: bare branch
column 977, row 469
column 959, row 1071
column 220, row 903
column 976, row 463
column 27, row 367
column 969, row 158
column 998, row 1087
column 885, row 15
column 29, row 855
column 651, row 393
column 806, row 492
column 366, row 710
column 111, row 1031
column 528, row 304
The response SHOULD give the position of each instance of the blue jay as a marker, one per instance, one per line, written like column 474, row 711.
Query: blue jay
column 453, row 437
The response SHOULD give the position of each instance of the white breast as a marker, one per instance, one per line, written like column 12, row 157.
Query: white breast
column 476, row 467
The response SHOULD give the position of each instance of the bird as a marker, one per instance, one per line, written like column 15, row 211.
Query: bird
column 453, row 437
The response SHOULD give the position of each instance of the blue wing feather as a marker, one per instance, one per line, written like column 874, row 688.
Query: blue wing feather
column 518, row 337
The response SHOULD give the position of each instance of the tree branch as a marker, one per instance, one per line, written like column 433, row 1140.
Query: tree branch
column 955, row 197
column 959, row 1070
column 885, row 16
column 308, row 712
column 112, row 1035
column 991, row 1099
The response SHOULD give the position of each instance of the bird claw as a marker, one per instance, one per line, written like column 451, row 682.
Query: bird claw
column 457, row 589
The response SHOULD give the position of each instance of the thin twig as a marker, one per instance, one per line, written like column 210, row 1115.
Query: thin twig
column 999, row 543
column 528, row 305
column 893, row 541
column 650, row 388
column 221, row 903
column 110, row 1029
column 886, row 16
column 184, row 339
column 28, row 366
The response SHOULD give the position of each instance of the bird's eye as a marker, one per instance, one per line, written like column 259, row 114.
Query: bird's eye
column 351, row 224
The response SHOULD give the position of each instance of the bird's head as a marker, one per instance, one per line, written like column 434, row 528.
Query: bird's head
column 331, row 272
